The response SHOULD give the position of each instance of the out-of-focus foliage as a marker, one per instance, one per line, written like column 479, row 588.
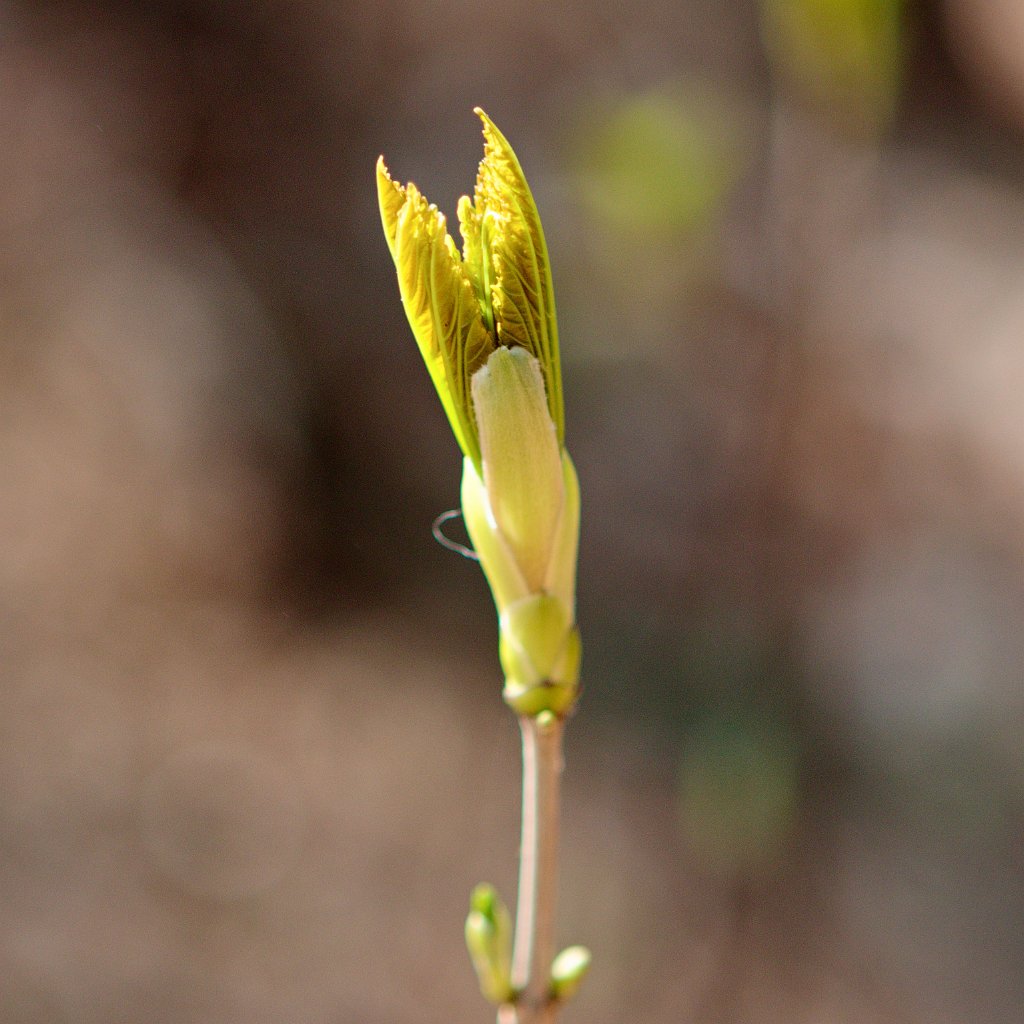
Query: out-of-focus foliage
column 653, row 173
column 842, row 56
column 738, row 789
column 658, row 165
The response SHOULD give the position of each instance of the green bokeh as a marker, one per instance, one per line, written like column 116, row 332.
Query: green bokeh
column 658, row 165
column 738, row 789
column 843, row 57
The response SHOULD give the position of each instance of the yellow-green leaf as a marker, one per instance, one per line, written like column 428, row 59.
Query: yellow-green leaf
column 476, row 259
column 439, row 301
column 503, row 226
column 391, row 197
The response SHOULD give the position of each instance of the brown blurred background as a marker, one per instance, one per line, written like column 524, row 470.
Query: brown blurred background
column 252, row 751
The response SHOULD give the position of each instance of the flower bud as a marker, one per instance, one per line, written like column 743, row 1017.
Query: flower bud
column 489, row 941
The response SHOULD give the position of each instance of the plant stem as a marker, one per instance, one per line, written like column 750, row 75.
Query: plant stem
column 534, row 947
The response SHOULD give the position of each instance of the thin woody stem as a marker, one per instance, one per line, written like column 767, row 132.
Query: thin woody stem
column 534, row 947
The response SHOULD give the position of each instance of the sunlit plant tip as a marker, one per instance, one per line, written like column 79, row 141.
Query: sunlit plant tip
column 484, row 320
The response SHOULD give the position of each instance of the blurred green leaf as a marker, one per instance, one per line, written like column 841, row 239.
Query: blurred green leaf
column 842, row 56
column 658, row 165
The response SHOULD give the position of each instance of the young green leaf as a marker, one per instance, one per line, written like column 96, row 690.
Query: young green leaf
column 506, row 226
column 439, row 301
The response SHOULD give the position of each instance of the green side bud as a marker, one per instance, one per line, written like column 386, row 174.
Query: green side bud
column 568, row 971
column 489, row 941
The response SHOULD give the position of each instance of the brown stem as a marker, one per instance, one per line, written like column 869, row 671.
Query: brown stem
column 538, row 870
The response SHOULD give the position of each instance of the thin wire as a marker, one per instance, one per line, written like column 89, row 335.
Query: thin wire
column 451, row 545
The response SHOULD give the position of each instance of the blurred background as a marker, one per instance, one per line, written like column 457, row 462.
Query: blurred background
column 252, row 751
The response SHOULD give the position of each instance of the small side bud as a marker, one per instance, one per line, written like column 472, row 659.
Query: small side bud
column 568, row 971
column 489, row 941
